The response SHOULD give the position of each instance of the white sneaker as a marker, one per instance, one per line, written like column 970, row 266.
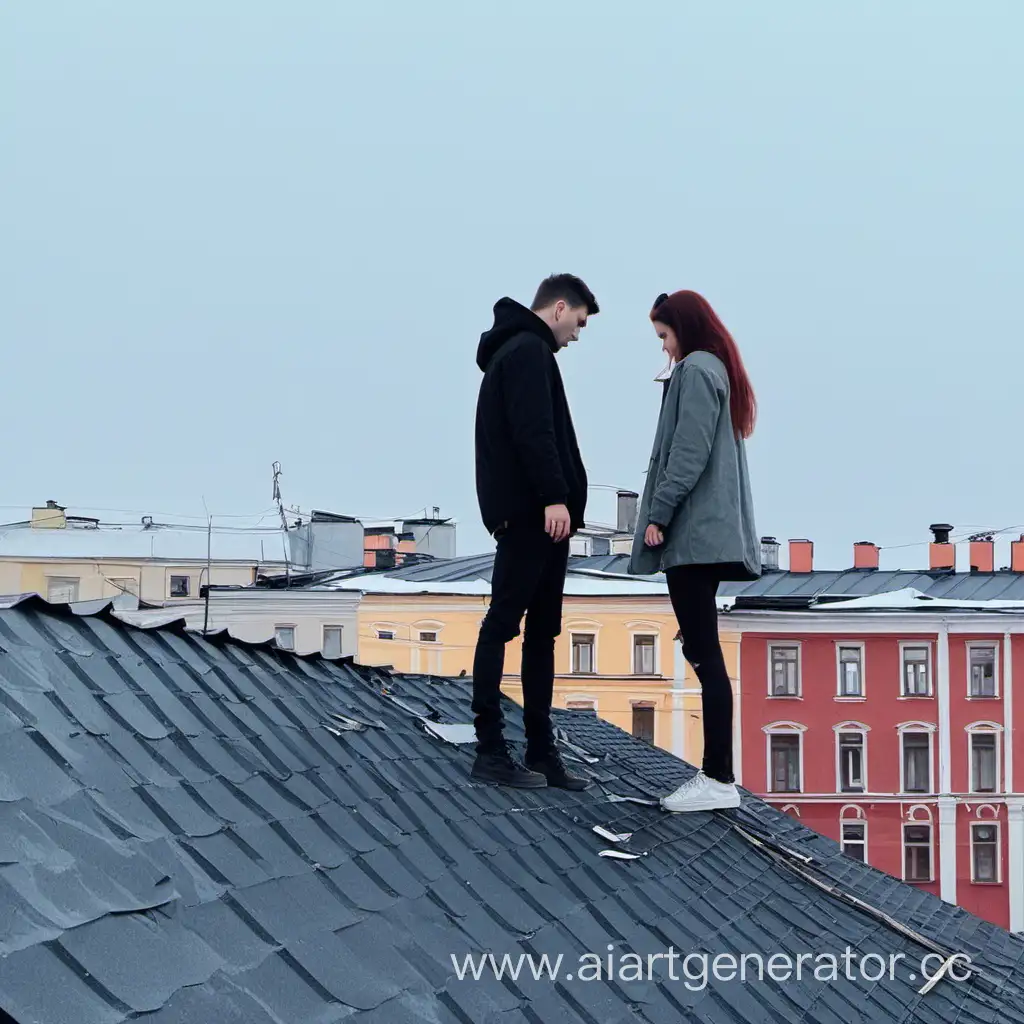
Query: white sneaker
column 702, row 794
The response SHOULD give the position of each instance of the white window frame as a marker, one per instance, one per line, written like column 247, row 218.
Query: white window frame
column 73, row 583
column 385, row 627
column 851, row 728
column 430, row 651
column 984, row 729
column 171, row 577
column 787, row 645
column 997, row 825
column 119, row 583
column 323, row 636
column 860, row 646
column 994, row 646
column 278, row 626
column 783, row 729
column 928, row 645
column 918, row 727
column 581, row 698
column 634, row 634
column 914, row 823
column 583, row 631
column 863, row 823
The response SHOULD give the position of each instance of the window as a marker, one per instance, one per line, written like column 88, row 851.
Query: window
column 332, row 641
column 982, row 668
column 917, row 853
column 915, row 672
column 285, row 637
column 643, row 722
column 179, row 586
column 851, row 672
column 61, row 589
column 643, row 655
column 851, row 762
column 583, row 653
column 983, row 762
column 125, row 584
column 428, row 636
column 385, row 634
column 984, row 853
column 785, row 763
column 855, row 840
column 917, row 762
column 785, row 671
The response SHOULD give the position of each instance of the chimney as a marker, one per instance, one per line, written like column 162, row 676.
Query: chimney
column 801, row 555
column 942, row 554
column 1017, row 554
column 406, row 546
column 983, row 553
column 770, row 553
column 627, row 510
column 865, row 555
column 50, row 517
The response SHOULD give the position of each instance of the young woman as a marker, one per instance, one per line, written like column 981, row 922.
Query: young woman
column 696, row 520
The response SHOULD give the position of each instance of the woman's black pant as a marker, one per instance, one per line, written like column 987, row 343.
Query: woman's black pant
column 693, row 590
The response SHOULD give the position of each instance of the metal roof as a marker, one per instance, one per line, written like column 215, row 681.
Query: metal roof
column 776, row 588
column 168, row 542
column 203, row 830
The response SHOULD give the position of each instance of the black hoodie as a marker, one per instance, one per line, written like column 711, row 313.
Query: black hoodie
column 526, row 452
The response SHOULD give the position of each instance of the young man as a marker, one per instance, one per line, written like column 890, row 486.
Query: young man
column 532, row 490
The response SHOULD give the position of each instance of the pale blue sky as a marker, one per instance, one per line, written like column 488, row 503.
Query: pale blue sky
column 234, row 232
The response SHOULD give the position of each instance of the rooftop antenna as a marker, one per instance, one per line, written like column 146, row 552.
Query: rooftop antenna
column 209, row 564
column 284, row 522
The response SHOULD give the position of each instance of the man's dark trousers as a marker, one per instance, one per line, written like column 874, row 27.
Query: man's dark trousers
column 528, row 577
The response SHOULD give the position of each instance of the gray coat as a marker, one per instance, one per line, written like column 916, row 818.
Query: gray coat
column 697, row 486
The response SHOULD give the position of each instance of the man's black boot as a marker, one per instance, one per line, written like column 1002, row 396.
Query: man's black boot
column 549, row 764
column 496, row 765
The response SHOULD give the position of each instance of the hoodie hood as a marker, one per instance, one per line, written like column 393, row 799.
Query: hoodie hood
column 510, row 318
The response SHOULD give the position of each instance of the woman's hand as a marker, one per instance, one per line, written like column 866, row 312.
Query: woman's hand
column 654, row 538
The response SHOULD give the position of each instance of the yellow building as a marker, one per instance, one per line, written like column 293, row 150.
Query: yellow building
column 616, row 655
column 78, row 558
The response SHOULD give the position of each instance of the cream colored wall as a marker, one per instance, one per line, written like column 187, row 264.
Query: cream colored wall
column 94, row 577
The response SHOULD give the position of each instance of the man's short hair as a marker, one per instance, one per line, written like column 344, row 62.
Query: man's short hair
column 567, row 287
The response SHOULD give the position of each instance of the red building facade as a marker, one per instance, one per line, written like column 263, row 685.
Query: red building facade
column 887, row 722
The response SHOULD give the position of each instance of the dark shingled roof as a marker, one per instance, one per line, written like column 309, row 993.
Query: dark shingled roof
column 200, row 830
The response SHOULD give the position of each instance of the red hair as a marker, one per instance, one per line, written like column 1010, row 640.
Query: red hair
column 698, row 328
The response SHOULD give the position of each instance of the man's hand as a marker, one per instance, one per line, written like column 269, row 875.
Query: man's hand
column 654, row 538
column 557, row 522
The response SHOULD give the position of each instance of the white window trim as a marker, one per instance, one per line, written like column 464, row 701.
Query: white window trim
column 179, row 575
column 581, row 698
column 860, row 645
column 632, row 651
column 991, row 645
column 846, row 728
column 984, row 729
column 583, row 631
column 788, row 644
column 931, row 851
column 286, row 625
column 998, row 825
column 928, row 645
column 930, row 729
column 783, row 729
column 863, row 822
column 323, row 635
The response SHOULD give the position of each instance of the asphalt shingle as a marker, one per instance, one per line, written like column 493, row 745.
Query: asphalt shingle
column 183, row 838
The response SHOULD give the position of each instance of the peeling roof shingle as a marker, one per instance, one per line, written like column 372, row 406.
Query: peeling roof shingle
column 182, row 837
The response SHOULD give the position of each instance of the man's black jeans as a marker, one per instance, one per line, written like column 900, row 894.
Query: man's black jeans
column 693, row 590
column 528, row 578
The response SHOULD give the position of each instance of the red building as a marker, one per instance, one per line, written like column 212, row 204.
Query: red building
column 878, row 707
